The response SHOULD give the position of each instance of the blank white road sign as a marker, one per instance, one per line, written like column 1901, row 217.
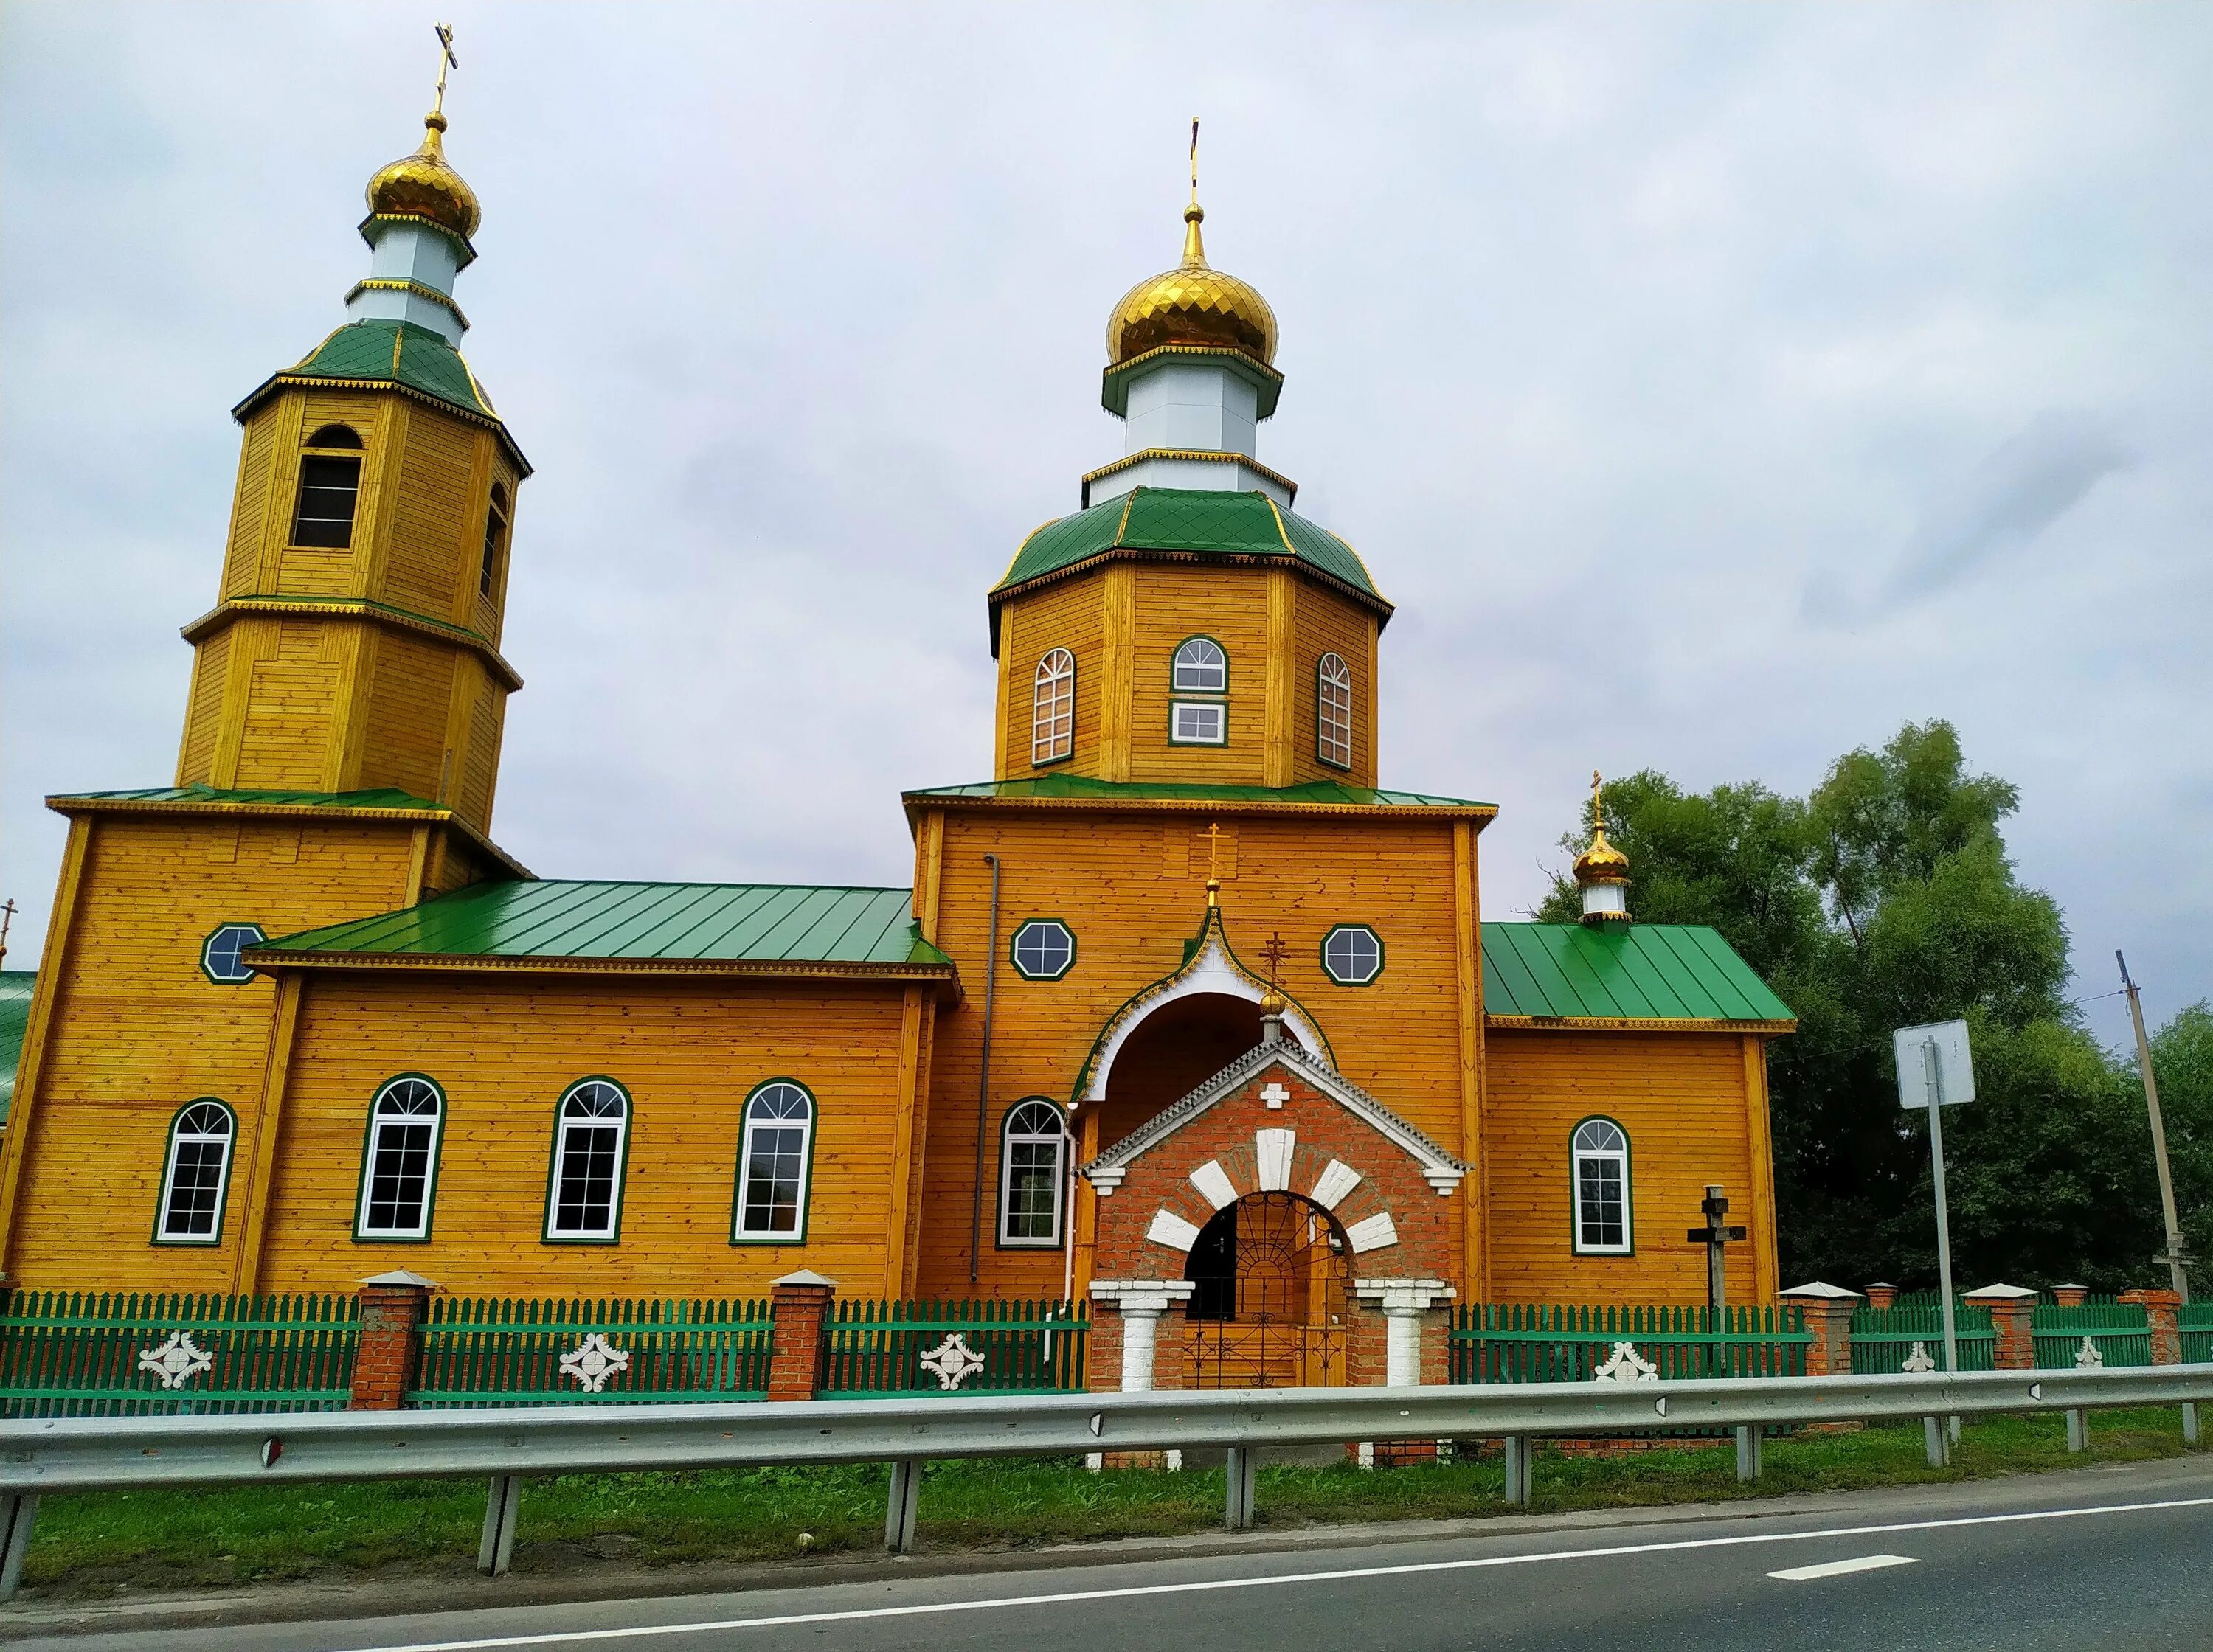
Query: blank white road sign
column 1911, row 1043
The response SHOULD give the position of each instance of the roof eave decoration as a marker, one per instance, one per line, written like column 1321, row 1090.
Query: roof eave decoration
column 942, row 970
column 383, row 614
column 1114, row 382
column 1210, row 965
column 463, row 246
column 1140, row 796
column 1438, row 1166
column 1636, row 1024
column 1198, row 456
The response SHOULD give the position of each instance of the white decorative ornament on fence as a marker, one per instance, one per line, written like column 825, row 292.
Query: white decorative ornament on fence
column 953, row 1362
column 2088, row 1358
column 177, row 1361
column 593, row 1360
column 1625, row 1364
column 1917, row 1362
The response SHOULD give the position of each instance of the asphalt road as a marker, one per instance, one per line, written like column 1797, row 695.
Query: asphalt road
column 2111, row 1559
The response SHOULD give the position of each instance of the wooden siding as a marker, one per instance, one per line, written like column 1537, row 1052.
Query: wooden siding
column 1680, row 1096
column 138, row 1030
column 430, row 546
column 504, row 1047
column 480, row 770
column 254, row 501
column 204, row 712
column 1330, row 623
column 287, row 731
column 1133, row 896
column 1067, row 615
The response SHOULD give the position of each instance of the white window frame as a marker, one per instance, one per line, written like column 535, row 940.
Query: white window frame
column 1030, row 1109
column 373, row 1148
column 178, row 1136
column 1201, row 666
column 750, row 1130
column 1330, row 968
column 1599, row 1152
column 1015, row 949
column 584, row 1093
column 1333, row 710
column 1052, row 708
column 1199, row 708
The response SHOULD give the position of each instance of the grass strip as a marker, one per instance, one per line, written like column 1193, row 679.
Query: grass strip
column 98, row 1543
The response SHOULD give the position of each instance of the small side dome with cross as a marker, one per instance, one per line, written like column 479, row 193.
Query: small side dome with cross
column 1602, row 870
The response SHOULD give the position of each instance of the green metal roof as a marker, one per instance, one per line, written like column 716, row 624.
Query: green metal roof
column 1191, row 520
column 16, row 986
column 691, row 923
column 1638, row 972
column 379, row 797
column 1078, row 787
column 394, row 352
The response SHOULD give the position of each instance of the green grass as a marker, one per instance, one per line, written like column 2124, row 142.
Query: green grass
column 164, row 1540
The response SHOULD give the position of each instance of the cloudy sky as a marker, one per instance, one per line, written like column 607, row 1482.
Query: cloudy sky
column 1712, row 389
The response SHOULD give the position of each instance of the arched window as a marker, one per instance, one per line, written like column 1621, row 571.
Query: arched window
column 495, row 544
column 583, row 1189
column 1201, row 667
column 773, row 1162
column 1033, row 1149
column 195, row 1174
column 399, row 1160
column 1333, row 711
column 1600, row 1151
column 1052, row 708
column 330, row 483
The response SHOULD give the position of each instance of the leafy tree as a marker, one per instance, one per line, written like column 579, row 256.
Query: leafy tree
column 2182, row 1061
column 1884, row 899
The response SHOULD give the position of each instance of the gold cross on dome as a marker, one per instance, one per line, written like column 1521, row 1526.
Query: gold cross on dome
column 1598, row 800
column 446, row 57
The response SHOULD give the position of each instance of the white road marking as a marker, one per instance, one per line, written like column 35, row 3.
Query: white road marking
column 580, row 1636
column 1866, row 1563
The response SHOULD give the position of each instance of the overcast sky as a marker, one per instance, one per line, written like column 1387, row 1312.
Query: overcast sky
column 1713, row 390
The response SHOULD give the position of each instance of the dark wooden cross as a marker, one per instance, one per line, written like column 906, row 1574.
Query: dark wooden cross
column 1272, row 953
column 1717, row 1235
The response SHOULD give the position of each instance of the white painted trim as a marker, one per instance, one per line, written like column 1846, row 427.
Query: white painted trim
column 1273, row 1148
column 1172, row 1230
column 1211, row 972
column 1373, row 1232
column 1213, row 1181
column 1337, row 1180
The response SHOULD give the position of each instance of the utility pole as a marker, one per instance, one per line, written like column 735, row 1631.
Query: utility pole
column 2176, row 1258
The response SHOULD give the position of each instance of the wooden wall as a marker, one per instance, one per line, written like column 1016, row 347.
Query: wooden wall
column 1682, row 1099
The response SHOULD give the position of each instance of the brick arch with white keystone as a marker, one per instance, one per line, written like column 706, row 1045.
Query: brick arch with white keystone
column 1277, row 1120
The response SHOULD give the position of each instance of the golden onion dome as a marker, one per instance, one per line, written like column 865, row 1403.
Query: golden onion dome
column 1192, row 305
column 422, row 186
column 1601, row 862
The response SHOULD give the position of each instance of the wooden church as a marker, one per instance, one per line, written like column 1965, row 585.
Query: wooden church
column 1183, row 1013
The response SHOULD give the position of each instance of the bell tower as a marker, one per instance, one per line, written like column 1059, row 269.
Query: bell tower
column 355, row 642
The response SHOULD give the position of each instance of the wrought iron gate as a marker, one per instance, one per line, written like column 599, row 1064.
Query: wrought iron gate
column 1273, row 1297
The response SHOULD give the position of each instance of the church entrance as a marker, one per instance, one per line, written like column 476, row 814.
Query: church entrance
column 1271, row 1297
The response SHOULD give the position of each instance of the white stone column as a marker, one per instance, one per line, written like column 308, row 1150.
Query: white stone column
column 1404, row 1301
column 1140, row 1303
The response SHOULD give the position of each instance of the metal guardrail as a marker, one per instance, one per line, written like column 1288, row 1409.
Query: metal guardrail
column 45, row 1456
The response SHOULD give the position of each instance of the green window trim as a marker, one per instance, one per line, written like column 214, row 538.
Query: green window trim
column 613, row 1233
column 1329, row 971
column 1014, row 948
column 1175, row 663
column 738, row 1234
column 238, row 926
column 1007, row 1139
column 1627, row 1154
column 165, row 1192
column 1323, row 683
column 362, row 1233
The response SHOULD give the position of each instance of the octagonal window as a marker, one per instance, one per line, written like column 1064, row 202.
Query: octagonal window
column 219, row 955
column 1352, row 955
column 1044, row 949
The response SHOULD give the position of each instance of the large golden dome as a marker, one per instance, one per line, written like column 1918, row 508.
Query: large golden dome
column 422, row 186
column 1194, row 306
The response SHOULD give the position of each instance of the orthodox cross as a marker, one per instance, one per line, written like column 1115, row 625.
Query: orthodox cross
column 7, row 922
column 446, row 59
column 1213, row 878
column 1715, row 1235
column 1194, row 160
column 1273, row 954
column 1597, row 801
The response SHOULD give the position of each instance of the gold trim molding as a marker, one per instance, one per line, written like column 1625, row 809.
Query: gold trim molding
column 236, row 607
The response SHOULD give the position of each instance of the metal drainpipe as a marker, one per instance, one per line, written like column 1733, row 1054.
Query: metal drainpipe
column 983, row 1084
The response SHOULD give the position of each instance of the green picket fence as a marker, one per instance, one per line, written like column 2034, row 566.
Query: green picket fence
column 140, row 1353
column 1523, row 1342
column 505, row 1351
column 1883, row 1338
column 877, row 1350
column 2196, row 1323
column 2119, row 1331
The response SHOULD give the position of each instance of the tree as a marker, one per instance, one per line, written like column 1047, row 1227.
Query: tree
column 1884, row 900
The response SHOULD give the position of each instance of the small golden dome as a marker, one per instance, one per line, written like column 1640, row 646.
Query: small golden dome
column 1274, row 1003
column 1192, row 304
column 422, row 186
column 1601, row 862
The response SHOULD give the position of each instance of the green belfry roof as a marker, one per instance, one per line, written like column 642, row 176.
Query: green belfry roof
column 16, row 985
column 1187, row 520
column 1074, row 788
column 644, row 923
column 1637, row 972
column 396, row 352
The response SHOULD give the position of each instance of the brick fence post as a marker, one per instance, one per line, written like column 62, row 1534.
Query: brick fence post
column 1882, row 1297
column 2163, row 1317
column 799, row 1337
column 2013, row 1317
column 2070, row 1295
column 393, row 1308
column 1827, row 1310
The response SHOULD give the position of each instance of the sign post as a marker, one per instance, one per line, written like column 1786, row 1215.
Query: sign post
column 1935, row 1071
